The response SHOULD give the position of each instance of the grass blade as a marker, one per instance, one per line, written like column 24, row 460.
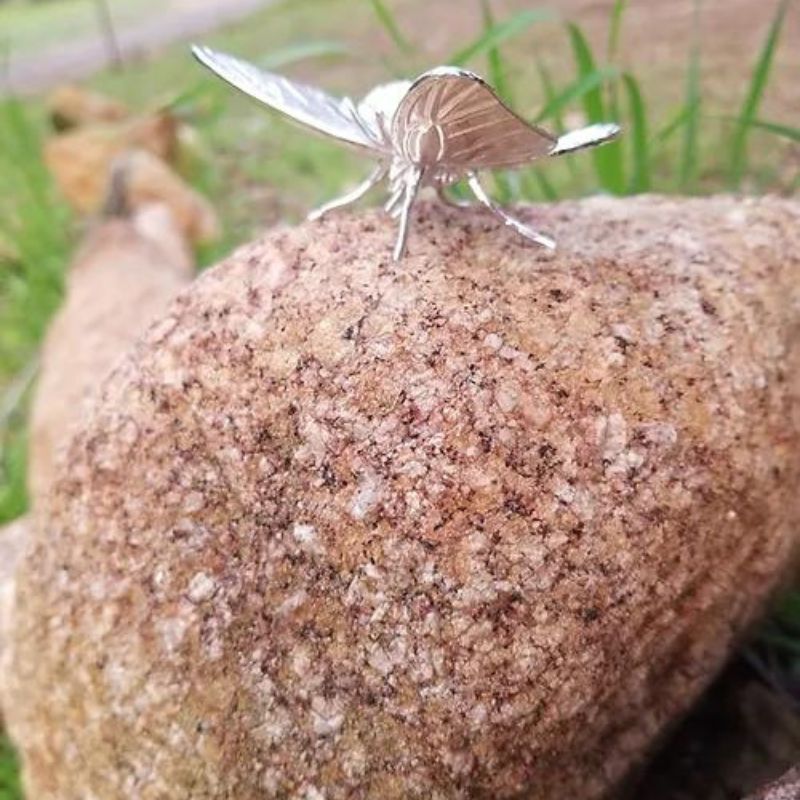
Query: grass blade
column 13, row 472
column 35, row 244
column 497, row 71
column 10, row 785
column 788, row 610
column 293, row 53
column 547, row 188
column 558, row 118
column 753, row 98
column 488, row 43
column 607, row 160
column 688, row 170
column 550, row 95
column 611, row 53
column 575, row 91
column 637, row 130
column 593, row 99
column 535, row 186
column 675, row 124
column 495, row 34
column 784, row 131
column 389, row 23
column 497, row 76
column 614, row 29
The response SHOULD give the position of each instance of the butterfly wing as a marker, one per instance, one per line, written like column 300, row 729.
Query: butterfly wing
column 307, row 105
column 377, row 108
column 453, row 119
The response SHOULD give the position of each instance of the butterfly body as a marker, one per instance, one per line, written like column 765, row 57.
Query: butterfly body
column 443, row 127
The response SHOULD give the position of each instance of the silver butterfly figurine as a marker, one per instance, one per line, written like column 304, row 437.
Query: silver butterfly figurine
column 439, row 129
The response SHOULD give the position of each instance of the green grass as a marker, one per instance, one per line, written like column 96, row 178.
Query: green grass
column 10, row 788
column 758, row 83
column 34, row 247
column 691, row 119
column 258, row 169
column 386, row 18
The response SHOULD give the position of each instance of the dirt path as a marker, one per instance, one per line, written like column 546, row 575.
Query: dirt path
column 78, row 58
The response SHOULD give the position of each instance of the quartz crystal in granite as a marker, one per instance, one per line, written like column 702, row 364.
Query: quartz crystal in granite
column 475, row 525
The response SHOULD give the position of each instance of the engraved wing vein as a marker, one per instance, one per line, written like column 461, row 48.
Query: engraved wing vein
column 479, row 130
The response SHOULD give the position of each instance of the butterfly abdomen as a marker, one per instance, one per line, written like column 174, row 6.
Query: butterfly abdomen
column 424, row 145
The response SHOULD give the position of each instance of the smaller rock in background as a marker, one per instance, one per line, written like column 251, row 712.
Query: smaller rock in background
column 126, row 270
column 151, row 180
column 73, row 106
column 80, row 160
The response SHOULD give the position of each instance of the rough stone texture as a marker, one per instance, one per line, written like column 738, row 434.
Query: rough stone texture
column 475, row 525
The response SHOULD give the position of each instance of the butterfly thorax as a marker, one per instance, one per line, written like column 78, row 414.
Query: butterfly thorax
column 403, row 171
column 446, row 125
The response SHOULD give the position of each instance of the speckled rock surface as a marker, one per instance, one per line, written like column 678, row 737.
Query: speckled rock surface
column 474, row 526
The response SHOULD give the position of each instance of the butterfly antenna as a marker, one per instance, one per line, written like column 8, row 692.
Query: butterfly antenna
column 592, row 136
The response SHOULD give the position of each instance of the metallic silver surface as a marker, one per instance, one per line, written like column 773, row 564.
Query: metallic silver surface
column 592, row 136
column 451, row 120
column 307, row 105
column 435, row 131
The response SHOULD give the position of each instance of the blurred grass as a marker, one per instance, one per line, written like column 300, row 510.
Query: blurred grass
column 758, row 83
column 34, row 246
column 27, row 27
column 10, row 788
column 690, row 123
column 259, row 170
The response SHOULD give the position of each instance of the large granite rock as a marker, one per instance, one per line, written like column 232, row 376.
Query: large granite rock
column 479, row 524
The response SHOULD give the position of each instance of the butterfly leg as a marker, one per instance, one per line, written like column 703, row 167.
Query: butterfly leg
column 412, row 183
column 519, row 226
column 375, row 177
column 392, row 206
